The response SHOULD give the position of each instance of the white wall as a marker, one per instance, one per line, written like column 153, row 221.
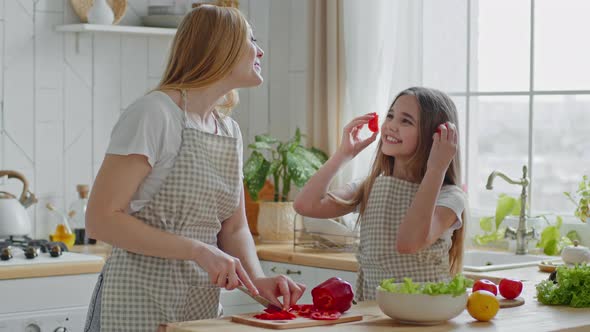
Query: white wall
column 61, row 95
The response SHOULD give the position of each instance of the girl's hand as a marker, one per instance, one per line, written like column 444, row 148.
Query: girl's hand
column 351, row 143
column 274, row 287
column 444, row 147
column 224, row 270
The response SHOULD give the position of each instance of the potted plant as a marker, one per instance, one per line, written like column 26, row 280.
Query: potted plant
column 284, row 163
column 581, row 199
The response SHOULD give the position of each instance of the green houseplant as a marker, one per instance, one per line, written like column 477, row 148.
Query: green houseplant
column 288, row 162
column 551, row 240
column 285, row 163
column 581, row 198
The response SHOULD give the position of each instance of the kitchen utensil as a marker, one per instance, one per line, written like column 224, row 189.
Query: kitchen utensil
column 264, row 302
column 298, row 322
column 14, row 219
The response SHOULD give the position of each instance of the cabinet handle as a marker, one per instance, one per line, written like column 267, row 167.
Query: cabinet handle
column 288, row 271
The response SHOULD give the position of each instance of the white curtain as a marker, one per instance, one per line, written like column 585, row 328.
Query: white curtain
column 382, row 46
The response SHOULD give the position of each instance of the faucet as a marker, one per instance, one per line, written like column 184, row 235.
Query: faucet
column 521, row 234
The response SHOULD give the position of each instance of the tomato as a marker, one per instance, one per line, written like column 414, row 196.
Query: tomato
column 374, row 123
column 326, row 315
column 333, row 294
column 510, row 288
column 485, row 284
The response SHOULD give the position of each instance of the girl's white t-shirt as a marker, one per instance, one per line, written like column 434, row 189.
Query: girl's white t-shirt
column 450, row 196
column 152, row 126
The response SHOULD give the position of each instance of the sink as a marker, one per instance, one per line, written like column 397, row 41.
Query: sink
column 482, row 261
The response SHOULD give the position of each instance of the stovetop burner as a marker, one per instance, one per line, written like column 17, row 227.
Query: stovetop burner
column 30, row 247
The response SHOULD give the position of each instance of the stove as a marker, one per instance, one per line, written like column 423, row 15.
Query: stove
column 58, row 300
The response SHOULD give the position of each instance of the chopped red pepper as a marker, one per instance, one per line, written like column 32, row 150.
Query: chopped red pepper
column 374, row 123
column 303, row 310
column 333, row 294
column 271, row 314
column 326, row 315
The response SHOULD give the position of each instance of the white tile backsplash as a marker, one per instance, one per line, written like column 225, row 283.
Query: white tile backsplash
column 61, row 93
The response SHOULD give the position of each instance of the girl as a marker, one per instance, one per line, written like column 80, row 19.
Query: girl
column 169, row 194
column 410, row 204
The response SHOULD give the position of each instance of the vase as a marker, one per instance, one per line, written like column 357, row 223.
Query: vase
column 275, row 222
column 101, row 13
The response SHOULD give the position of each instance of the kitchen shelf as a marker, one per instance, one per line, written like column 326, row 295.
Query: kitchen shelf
column 121, row 29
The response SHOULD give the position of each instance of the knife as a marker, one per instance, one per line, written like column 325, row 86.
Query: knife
column 264, row 302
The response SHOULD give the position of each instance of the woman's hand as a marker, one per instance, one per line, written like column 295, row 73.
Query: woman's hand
column 274, row 287
column 351, row 143
column 224, row 270
column 444, row 147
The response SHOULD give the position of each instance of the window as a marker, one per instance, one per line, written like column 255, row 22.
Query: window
column 519, row 72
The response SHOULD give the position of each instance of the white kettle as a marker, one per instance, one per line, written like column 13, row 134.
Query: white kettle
column 14, row 219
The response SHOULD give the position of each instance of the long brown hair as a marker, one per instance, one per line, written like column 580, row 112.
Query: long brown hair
column 208, row 43
column 435, row 108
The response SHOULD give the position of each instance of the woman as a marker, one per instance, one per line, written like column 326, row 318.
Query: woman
column 169, row 194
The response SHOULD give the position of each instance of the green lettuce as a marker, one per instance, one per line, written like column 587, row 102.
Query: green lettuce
column 457, row 286
column 572, row 287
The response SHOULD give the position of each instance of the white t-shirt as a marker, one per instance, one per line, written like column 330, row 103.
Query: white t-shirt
column 450, row 196
column 152, row 126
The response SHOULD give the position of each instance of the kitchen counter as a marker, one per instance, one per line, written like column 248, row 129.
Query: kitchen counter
column 532, row 316
column 286, row 253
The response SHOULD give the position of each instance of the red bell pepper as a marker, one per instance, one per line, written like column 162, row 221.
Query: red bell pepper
column 333, row 294
column 374, row 123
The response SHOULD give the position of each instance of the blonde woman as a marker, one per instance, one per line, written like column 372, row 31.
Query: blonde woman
column 169, row 194
column 411, row 204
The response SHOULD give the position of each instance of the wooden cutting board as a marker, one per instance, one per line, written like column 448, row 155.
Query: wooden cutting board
column 298, row 322
column 505, row 303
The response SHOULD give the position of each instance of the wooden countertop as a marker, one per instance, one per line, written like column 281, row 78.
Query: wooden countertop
column 286, row 253
column 532, row 316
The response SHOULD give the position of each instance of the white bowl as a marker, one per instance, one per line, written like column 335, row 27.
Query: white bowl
column 420, row 309
column 330, row 230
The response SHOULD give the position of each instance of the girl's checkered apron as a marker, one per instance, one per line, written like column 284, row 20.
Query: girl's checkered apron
column 387, row 204
column 137, row 292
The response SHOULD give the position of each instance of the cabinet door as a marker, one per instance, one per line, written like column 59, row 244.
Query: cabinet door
column 325, row 274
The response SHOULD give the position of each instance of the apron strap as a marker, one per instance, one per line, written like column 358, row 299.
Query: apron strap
column 184, row 95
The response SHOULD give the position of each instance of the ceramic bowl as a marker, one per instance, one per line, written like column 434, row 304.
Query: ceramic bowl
column 420, row 309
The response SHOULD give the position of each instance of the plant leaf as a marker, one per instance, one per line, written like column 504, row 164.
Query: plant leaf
column 573, row 235
column 323, row 157
column 311, row 157
column 300, row 168
column 504, row 206
column 486, row 224
column 260, row 146
column 265, row 138
column 255, row 172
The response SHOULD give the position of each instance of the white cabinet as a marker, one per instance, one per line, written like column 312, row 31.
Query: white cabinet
column 236, row 302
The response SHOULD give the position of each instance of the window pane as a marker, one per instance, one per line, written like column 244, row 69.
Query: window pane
column 562, row 51
column 561, row 154
column 498, row 141
column 445, row 45
column 500, row 45
column 460, row 103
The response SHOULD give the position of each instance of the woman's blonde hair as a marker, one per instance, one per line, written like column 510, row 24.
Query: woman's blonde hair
column 435, row 108
column 208, row 43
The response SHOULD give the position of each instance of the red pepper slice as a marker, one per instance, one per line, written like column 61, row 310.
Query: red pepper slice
column 271, row 314
column 374, row 123
column 326, row 315
column 303, row 310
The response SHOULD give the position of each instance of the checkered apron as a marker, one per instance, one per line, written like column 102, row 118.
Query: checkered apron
column 387, row 204
column 137, row 292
